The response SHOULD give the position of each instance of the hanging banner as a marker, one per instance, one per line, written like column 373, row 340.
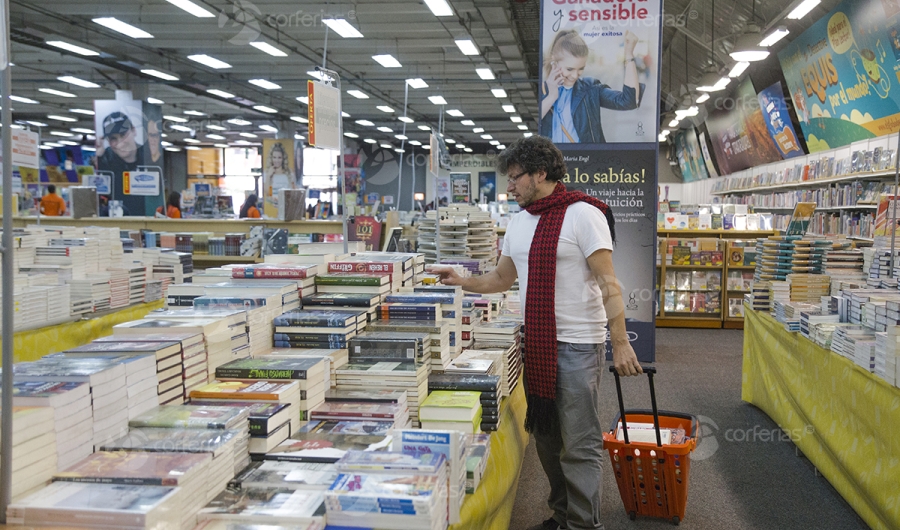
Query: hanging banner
column 599, row 103
column 278, row 172
column 460, row 184
column 739, row 134
column 842, row 73
column 778, row 121
column 25, row 151
column 324, row 116
column 487, row 186
column 442, row 191
column 687, row 151
column 710, row 167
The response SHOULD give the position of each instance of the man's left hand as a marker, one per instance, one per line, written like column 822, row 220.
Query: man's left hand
column 625, row 360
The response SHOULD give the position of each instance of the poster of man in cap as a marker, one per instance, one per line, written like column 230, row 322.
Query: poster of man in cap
column 123, row 144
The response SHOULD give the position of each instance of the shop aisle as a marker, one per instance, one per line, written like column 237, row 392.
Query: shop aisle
column 744, row 474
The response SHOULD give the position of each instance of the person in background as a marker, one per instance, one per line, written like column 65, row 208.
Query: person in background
column 52, row 204
column 173, row 207
column 249, row 209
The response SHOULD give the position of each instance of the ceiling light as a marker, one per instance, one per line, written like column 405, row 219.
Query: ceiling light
column 57, row 92
column 345, row 114
column 487, row 137
column 159, row 74
column 248, row 135
column 426, row 147
column 263, row 108
column 72, row 80
column 181, row 128
column 299, row 137
column 779, row 33
column 738, row 69
column 321, row 76
column 674, row 122
column 386, row 146
column 690, row 112
column 349, row 134
column 398, row 150
column 192, row 148
column 221, row 146
column 385, row 108
column 528, row 135
column 62, row 133
column 746, row 54
column 216, row 128
column 515, row 119
column 342, row 28
column 498, row 92
column 303, row 99
column 801, row 10
column 215, row 136
column 661, row 137
column 485, row 73
column 437, row 100
column 494, row 142
column 191, row 141
column 62, row 118
column 191, row 8
column 418, row 82
column 52, row 144
column 46, row 147
column 401, row 137
column 477, row 130
column 387, row 61
column 523, row 127
column 665, row 132
column 468, row 123
column 707, row 85
column 68, row 142
column 703, row 97
column 440, row 8
column 40, row 124
column 358, row 94
column 501, row 147
column 122, row 27
column 299, row 119
column 268, row 48
column 152, row 101
column 268, row 128
column 467, row 47
column 370, row 141
column 239, row 121
column 264, row 83
column 385, row 129
column 74, row 48
column 747, row 48
column 424, row 128
column 365, row 123
column 208, row 61
column 415, row 142
column 450, row 141
column 20, row 99
column 461, row 146
column 242, row 142
column 81, row 130
column 406, row 119
column 455, row 113
column 509, row 108
column 176, row 119
column 194, row 113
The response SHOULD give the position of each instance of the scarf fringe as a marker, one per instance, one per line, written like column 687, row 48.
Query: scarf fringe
column 541, row 416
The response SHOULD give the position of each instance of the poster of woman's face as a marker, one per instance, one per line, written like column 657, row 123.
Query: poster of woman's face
column 278, row 172
column 599, row 60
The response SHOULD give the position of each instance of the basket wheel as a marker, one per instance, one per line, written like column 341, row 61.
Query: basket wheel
column 676, row 521
column 632, row 515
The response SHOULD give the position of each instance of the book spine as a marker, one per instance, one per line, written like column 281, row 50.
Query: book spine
column 343, row 301
column 291, row 336
column 310, row 344
column 268, row 272
column 360, row 267
column 408, row 316
column 224, row 372
column 349, row 281
column 326, row 415
column 418, row 299
column 312, row 321
column 259, row 426
column 137, row 481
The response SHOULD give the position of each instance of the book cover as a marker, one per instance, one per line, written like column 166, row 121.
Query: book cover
column 361, row 267
column 262, row 506
column 190, row 417
column 420, row 298
column 376, row 461
column 268, row 271
column 291, row 475
column 379, row 369
column 262, row 368
column 136, row 468
column 318, row 319
column 328, row 410
column 253, row 390
column 175, row 440
column 365, row 396
column 341, row 299
column 418, row 487
column 262, row 416
column 353, row 279
column 48, row 393
column 324, row 447
column 450, row 405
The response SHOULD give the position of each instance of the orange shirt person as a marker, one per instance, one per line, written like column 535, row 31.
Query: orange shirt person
column 52, row 204
column 249, row 209
column 173, row 207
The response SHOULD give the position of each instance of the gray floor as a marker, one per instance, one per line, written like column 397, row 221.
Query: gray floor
column 735, row 485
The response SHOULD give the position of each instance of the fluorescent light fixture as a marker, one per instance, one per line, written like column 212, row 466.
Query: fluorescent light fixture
column 401, row 137
column 68, row 142
column 349, row 134
column 718, row 86
column 299, row 119
column 159, row 74
column 46, row 147
column 165, row 143
column 387, row 61
column 181, row 128
column 485, row 73
column 494, row 142
column 467, row 123
column 501, row 147
column 515, row 119
column 406, row 119
column 386, row 146
column 264, row 46
column 738, row 69
column 62, row 118
column 268, row 128
column 41, row 124
column 242, row 142
column 455, row 113
column 215, row 136
column 418, row 196
column 487, row 137
column 385, row 108
column 176, row 119
column 509, row 108
column 370, row 141
column 745, row 55
column 64, row 134
column 55, row 92
column 239, row 122
column 152, row 101
column 358, row 94
column 299, row 137
column 72, row 80
column 426, row 147
column 86, row 112
column 173, row 149
column 398, row 150
column 417, row 82
column 703, row 98
column 498, row 92
column 365, row 123
column 661, row 137
column 437, row 100
column 528, row 135
column 209, row 61
column 424, row 128
column 342, row 28
column 192, row 148
column 440, row 8
column 191, row 8
column 216, row 128
column 415, row 142
column 20, row 99
column 264, row 83
column 122, row 27
column 194, row 113
column 263, row 108
column 477, row 130
column 690, row 112
column 82, row 130
column 74, row 48
column 467, row 47
column 460, row 146
column 674, row 122
column 321, row 76
column 803, row 9
column 221, row 146
column 191, row 141
column 777, row 34
column 345, row 114
column 248, row 135
column 523, row 127
column 386, row 129
column 52, row 144
column 449, row 141
column 303, row 99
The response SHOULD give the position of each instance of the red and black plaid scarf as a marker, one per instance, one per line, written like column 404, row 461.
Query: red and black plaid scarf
column 540, row 306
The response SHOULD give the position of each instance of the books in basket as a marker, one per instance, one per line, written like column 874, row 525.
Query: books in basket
column 137, row 468
column 191, row 417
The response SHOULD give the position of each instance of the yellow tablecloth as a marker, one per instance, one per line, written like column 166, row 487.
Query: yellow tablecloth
column 490, row 507
column 32, row 345
column 844, row 419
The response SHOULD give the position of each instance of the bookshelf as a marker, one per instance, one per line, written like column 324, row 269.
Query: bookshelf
column 887, row 174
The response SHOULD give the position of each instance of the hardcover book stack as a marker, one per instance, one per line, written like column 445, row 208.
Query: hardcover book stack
column 330, row 411
column 72, row 415
column 332, row 357
column 183, row 294
column 353, row 283
column 412, row 264
column 478, row 449
column 272, row 507
column 505, row 335
column 254, row 288
column 438, row 332
column 418, row 305
column 450, row 444
column 488, row 387
column 261, row 311
column 267, row 392
column 377, row 346
column 89, row 294
column 303, row 274
column 389, row 490
column 328, row 441
column 322, row 329
column 452, row 410
column 188, row 472
column 451, row 312
column 343, row 301
column 33, row 449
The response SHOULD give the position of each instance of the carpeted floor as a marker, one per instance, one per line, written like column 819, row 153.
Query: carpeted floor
column 760, row 484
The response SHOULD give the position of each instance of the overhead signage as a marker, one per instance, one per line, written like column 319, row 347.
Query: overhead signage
column 25, row 150
column 145, row 183
column 324, row 116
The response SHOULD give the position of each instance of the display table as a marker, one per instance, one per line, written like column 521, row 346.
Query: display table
column 34, row 344
column 845, row 420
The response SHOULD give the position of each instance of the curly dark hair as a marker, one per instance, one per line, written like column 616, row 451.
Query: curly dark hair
column 533, row 154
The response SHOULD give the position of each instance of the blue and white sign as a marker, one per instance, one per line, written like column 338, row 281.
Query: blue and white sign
column 101, row 182
column 144, row 183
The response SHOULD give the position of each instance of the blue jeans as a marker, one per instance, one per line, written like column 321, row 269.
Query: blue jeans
column 571, row 456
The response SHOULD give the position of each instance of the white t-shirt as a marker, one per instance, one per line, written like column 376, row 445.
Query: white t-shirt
column 580, row 314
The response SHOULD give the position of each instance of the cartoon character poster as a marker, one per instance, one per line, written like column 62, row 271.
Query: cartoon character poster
column 690, row 160
column 778, row 121
column 842, row 74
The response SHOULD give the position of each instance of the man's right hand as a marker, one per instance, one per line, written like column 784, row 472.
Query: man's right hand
column 447, row 275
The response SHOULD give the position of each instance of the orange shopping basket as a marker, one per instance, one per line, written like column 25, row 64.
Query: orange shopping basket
column 652, row 477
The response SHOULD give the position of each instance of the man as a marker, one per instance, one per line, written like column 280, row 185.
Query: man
column 560, row 248
column 52, row 204
column 124, row 154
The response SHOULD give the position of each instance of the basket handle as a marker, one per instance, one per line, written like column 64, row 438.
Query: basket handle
column 650, row 371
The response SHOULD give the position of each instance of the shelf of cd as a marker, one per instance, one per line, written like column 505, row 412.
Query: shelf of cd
column 819, row 208
column 815, row 183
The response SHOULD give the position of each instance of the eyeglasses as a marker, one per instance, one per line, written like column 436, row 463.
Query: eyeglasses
column 515, row 178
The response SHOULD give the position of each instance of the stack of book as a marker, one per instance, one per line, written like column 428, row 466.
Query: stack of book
column 357, row 265
column 389, row 490
column 438, row 348
column 332, row 357
column 72, row 415
column 327, row 441
column 357, row 411
column 261, row 311
column 451, row 444
column 269, row 474
column 886, row 357
column 89, row 294
column 386, row 375
column 856, row 343
column 153, row 291
column 119, row 287
column 353, row 283
column 809, row 288
column 183, row 294
column 271, row 508
column 478, row 450
column 34, row 450
column 455, row 410
column 339, row 301
column 317, row 328
column 188, row 472
column 504, row 335
column 451, row 312
column 488, row 387
column 377, row 346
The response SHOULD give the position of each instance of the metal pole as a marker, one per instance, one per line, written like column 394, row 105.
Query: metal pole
column 894, row 204
column 340, row 116
column 6, row 423
column 402, row 148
